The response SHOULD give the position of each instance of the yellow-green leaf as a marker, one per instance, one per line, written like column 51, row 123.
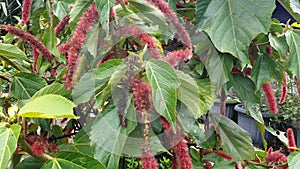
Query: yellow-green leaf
column 48, row 106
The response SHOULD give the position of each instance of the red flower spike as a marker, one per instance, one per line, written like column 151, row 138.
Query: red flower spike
column 61, row 25
column 164, row 123
column 148, row 159
column 222, row 154
column 267, row 88
column 291, row 139
column 35, row 58
column 208, row 165
column 74, row 46
column 26, row 11
column 174, row 57
column 182, row 155
column 174, row 164
column 38, row 148
column 283, row 89
column 32, row 40
column 142, row 94
column 269, row 50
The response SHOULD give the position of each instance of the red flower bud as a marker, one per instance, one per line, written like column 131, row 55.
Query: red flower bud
column 267, row 88
column 269, row 50
column 291, row 139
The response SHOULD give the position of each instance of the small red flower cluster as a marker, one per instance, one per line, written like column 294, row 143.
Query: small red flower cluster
column 172, row 18
column 276, row 158
column 74, row 46
column 291, row 139
column 182, row 155
column 142, row 94
column 32, row 40
column 148, row 159
column 132, row 30
column 174, row 57
column 26, row 11
column 39, row 145
column 267, row 88
column 61, row 25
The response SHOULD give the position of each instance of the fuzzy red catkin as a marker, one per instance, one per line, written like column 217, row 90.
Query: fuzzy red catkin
column 267, row 88
column 32, row 40
column 222, row 154
column 291, row 139
column 62, row 24
column 26, row 11
column 148, row 159
column 182, row 155
column 35, row 58
column 142, row 94
column 284, row 89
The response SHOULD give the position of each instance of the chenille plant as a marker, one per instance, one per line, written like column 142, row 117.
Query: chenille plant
column 116, row 83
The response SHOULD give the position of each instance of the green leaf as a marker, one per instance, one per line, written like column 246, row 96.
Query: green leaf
column 29, row 162
column 294, row 160
column 61, row 9
column 73, row 160
column 200, row 9
column 189, row 95
column 263, row 70
column 293, row 40
column 110, row 140
column 55, row 88
column 164, row 84
column 234, row 139
column 8, row 142
column 25, row 85
column 106, row 69
column 232, row 24
column 77, row 10
column 245, row 88
column 217, row 66
column 104, row 7
column 207, row 91
column 280, row 44
column 48, row 106
column 12, row 52
column 295, row 5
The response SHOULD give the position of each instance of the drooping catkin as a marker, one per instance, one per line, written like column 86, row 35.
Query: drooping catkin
column 291, row 139
column 26, row 11
column 267, row 88
column 283, row 89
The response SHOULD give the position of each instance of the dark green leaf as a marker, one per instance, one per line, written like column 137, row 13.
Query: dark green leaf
column 164, row 84
column 12, row 52
column 104, row 7
column 106, row 69
column 235, row 140
column 25, row 85
column 227, row 24
column 200, row 9
column 55, row 88
column 263, row 70
column 293, row 40
column 77, row 10
column 73, row 160
column 279, row 43
column 245, row 88
column 29, row 162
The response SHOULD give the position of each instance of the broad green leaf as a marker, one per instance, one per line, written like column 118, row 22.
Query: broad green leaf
column 235, row 140
column 106, row 69
column 25, row 85
column 218, row 66
column 12, row 52
column 227, row 24
column 74, row 160
column 48, row 106
column 293, row 40
column 110, row 140
column 207, row 91
column 164, row 84
column 92, row 39
column 8, row 142
column 263, row 70
column 295, row 5
column 189, row 94
column 77, row 10
column 294, row 160
column 49, row 38
column 245, row 88
column 60, row 9
column 29, row 162
column 200, row 9
column 104, row 7
column 55, row 88
column 279, row 43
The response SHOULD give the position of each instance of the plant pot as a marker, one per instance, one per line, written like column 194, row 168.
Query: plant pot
column 230, row 112
column 249, row 124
